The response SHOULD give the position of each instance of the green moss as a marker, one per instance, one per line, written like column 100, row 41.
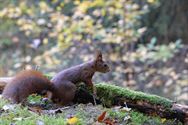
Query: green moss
column 107, row 92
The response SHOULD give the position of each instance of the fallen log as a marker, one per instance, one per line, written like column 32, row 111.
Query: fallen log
column 147, row 103
column 111, row 95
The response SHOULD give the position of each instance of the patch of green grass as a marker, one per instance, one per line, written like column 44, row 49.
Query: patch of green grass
column 117, row 114
column 34, row 98
column 29, row 118
column 52, row 120
column 3, row 102
column 139, row 119
column 107, row 92
column 136, row 118
column 22, row 116
column 13, row 116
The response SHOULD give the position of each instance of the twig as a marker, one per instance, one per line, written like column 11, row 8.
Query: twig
column 94, row 100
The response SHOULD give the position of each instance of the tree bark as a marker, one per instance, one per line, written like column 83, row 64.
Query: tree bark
column 168, row 22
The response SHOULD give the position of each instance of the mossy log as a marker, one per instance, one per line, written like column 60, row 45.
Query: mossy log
column 111, row 95
column 147, row 103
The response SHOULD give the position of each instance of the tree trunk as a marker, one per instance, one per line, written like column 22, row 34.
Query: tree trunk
column 168, row 22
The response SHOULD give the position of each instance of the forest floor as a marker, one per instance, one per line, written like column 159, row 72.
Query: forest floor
column 39, row 111
column 81, row 114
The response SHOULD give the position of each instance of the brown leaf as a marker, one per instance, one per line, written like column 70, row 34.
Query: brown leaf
column 101, row 117
column 36, row 109
column 108, row 121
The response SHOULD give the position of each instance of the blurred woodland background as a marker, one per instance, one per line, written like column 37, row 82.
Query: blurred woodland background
column 144, row 41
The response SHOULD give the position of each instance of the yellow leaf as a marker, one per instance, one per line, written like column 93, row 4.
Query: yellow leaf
column 72, row 121
column 84, row 6
column 45, row 40
column 54, row 1
column 151, row 1
column 44, row 6
column 163, row 120
column 76, row 2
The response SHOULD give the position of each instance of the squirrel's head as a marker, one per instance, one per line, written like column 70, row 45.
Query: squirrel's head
column 100, row 65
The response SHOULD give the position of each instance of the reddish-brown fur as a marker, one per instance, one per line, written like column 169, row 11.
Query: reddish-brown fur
column 65, row 80
column 25, row 83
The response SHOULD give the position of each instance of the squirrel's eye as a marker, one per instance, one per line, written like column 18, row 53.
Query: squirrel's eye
column 105, row 65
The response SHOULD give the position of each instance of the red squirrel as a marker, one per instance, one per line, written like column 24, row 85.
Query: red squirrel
column 62, row 86
column 25, row 83
column 64, row 81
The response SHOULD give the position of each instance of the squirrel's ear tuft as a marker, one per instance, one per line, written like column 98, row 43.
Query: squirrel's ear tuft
column 98, row 56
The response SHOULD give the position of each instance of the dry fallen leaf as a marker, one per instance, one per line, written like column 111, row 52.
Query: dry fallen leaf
column 18, row 119
column 125, row 109
column 35, row 109
column 101, row 117
column 8, row 107
column 109, row 121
